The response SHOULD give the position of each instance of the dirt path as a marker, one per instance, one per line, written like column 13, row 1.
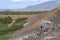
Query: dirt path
column 9, row 25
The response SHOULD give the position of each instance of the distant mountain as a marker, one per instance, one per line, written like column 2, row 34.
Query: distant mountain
column 39, row 7
column 43, row 7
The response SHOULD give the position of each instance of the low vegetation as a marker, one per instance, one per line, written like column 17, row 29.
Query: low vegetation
column 6, row 31
column 18, row 13
column 6, row 20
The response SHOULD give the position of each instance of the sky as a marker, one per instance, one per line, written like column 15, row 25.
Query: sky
column 16, row 4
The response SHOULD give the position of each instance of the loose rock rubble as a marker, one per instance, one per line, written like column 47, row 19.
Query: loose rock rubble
column 44, row 32
column 44, row 29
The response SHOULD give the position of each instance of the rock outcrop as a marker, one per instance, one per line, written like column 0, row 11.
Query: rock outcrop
column 45, row 29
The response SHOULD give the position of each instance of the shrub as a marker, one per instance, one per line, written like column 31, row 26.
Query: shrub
column 6, row 20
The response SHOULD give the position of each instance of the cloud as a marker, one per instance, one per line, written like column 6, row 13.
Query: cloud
column 29, row 0
column 25, row 0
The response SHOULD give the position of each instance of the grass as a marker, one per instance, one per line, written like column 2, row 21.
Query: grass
column 19, row 23
column 6, row 32
column 6, row 35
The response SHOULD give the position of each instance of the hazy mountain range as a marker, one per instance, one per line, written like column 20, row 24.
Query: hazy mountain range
column 41, row 7
column 44, row 6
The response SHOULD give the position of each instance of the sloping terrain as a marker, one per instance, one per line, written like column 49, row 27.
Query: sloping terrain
column 56, row 18
column 44, row 16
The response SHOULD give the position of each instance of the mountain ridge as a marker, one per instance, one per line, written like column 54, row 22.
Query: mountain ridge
column 42, row 7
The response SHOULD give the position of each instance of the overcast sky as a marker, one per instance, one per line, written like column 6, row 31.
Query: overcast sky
column 15, row 4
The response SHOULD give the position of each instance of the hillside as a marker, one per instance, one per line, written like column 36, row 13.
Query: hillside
column 56, row 18
column 52, row 15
